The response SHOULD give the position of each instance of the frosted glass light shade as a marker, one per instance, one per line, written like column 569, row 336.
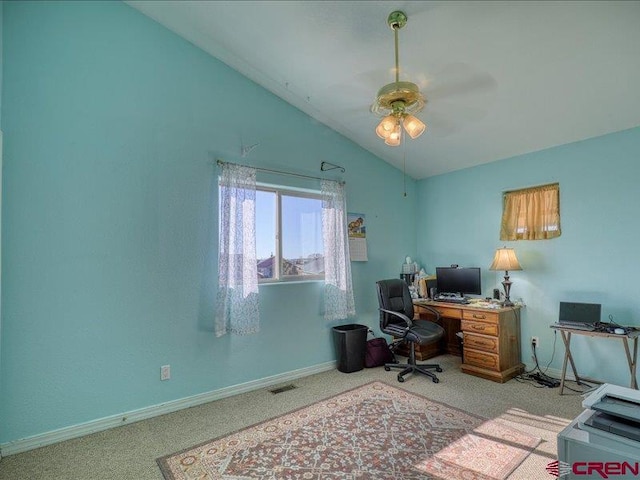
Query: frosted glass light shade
column 393, row 140
column 414, row 126
column 386, row 126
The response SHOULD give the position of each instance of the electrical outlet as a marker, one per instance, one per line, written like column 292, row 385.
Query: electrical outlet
column 165, row 372
column 535, row 342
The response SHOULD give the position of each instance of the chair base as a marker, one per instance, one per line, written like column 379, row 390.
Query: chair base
column 412, row 366
column 409, row 368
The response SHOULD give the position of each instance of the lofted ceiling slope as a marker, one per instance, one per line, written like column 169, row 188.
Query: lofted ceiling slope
column 501, row 78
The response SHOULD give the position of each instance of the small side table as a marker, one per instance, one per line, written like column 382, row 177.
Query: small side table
column 632, row 359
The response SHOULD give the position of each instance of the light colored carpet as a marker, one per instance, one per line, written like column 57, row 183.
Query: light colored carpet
column 130, row 451
column 376, row 431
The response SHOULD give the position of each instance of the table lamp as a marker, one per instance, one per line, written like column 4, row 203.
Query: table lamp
column 505, row 259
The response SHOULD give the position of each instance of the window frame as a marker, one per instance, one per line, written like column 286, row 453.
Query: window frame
column 279, row 192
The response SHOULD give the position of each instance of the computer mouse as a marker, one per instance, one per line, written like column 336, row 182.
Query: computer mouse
column 619, row 331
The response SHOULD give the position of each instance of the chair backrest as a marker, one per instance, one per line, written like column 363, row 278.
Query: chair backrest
column 393, row 294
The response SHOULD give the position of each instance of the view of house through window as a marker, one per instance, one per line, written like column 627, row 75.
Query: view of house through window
column 288, row 235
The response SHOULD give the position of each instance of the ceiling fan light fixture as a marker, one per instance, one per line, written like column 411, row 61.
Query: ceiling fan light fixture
column 386, row 126
column 398, row 101
column 394, row 139
column 413, row 126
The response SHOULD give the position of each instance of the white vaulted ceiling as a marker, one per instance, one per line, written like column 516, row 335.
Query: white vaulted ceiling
column 501, row 78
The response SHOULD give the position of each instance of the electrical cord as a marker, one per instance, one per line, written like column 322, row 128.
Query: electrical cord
column 540, row 379
column 524, row 379
column 553, row 353
column 536, row 376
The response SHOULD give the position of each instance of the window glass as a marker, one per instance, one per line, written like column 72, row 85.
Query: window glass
column 266, row 204
column 288, row 235
column 302, row 248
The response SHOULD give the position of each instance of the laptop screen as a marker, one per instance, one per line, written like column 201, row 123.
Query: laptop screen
column 571, row 312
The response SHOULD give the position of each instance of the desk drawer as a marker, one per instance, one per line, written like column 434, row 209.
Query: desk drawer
column 489, row 361
column 481, row 342
column 490, row 317
column 479, row 327
column 449, row 312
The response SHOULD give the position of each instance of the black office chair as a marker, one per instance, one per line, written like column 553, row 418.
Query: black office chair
column 396, row 319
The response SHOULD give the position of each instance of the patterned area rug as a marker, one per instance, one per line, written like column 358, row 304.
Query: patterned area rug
column 376, row 431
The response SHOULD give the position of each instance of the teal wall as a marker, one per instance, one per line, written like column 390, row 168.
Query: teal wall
column 109, row 223
column 594, row 260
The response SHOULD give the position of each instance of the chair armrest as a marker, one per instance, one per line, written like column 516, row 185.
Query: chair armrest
column 402, row 316
column 435, row 312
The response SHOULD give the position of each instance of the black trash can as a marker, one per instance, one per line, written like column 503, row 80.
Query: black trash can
column 350, row 342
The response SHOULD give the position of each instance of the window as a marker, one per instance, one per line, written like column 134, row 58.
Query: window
column 288, row 235
column 531, row 213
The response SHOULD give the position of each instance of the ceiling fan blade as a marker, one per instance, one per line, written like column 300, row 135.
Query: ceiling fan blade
column 449, row 118
column 440, row 126
column 373, row 80
column 459, row 79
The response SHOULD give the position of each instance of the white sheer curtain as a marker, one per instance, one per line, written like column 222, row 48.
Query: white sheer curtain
column 237, row 302
column 338, row 292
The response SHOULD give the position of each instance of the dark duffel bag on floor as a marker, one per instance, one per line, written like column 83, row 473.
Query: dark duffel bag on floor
column 377, row 353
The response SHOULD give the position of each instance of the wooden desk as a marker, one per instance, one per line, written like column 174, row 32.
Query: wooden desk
column 632, row 360
column 491, row 338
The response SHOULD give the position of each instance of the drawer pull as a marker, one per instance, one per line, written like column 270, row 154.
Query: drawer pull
column 481, row 317
column 478, row 327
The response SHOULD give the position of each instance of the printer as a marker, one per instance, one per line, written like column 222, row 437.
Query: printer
column 604, row 440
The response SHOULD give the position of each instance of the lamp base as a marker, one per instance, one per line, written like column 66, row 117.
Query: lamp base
column 507, row 288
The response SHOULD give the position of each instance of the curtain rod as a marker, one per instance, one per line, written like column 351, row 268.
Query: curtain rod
column 531, row 188
column 279, row 172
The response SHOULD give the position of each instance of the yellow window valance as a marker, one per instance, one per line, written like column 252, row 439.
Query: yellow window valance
column 531, row 213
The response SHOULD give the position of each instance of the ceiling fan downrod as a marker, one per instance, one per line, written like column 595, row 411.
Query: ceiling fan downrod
column 396, row 21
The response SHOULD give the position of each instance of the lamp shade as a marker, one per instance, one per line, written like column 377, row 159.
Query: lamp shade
column 505, row 259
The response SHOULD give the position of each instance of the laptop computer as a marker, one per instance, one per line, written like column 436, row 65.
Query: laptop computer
column 579, row 316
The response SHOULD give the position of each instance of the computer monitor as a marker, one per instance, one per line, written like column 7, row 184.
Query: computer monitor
column 465, row 281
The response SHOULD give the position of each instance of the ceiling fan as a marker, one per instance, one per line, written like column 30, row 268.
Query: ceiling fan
column 397, row 102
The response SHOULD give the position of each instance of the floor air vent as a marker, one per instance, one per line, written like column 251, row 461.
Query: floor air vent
column 283, row 389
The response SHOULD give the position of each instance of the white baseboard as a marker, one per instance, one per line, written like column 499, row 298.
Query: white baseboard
column 67, row 433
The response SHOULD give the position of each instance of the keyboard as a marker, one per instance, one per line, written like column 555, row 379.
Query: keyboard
column 587, row 327
column 459, row 300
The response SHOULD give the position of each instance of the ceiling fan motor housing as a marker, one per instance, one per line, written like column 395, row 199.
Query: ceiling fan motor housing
column 392, row 93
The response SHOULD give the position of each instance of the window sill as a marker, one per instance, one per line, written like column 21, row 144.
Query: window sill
column 290, row 282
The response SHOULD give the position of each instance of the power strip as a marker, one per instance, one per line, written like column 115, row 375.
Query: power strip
column 544, row 380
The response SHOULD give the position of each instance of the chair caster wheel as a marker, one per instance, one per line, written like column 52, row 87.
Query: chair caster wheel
column 438, row 369
column 436, row 380
column 387, row 369
column 400, row 379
